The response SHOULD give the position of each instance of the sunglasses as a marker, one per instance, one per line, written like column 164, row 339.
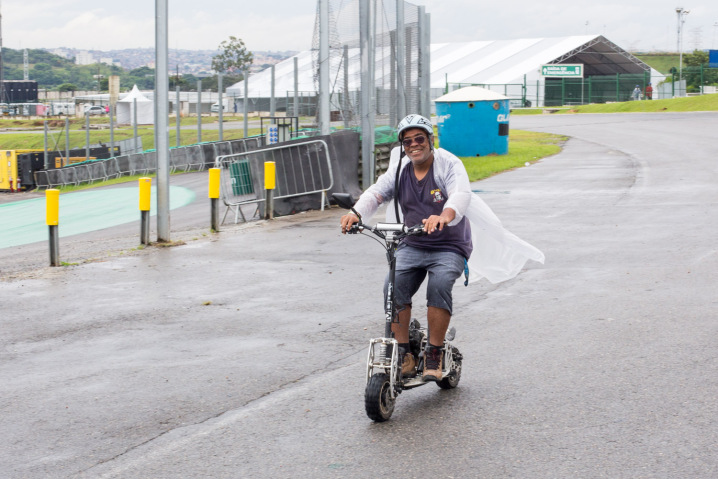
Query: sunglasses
column 418, row 139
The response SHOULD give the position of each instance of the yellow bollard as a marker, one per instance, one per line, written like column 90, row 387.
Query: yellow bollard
column 213, row 193
column 270, row 175
column 52, row 215
column 270, row 183
column 145, row 193
column 145, row 204
column 52, row 218
column 214, row 176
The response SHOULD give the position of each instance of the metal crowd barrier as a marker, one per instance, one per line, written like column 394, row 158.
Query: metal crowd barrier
column 185, row 158
column 302, row 168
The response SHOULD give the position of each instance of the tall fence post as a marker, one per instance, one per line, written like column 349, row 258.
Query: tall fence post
column 45, row 145
column 134, row 125
column 52, row 218
column 87, row 135
column 178, row 117
column 272, row 96
column 112, row 130
column 145, row 202
column 199, row 111
column 67, row 142
column 296, row 87
column 270, row 182
column 220, row 110
column 214, row 181
column 246, row 102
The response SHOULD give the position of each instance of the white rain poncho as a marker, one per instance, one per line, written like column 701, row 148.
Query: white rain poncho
column 498, row 254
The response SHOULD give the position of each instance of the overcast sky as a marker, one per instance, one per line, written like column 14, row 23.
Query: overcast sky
column 279, row 25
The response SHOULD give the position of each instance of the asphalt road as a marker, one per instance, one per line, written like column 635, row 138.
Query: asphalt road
column 241, row 354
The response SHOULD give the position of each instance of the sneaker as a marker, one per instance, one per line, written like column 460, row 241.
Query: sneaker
column 408, row 364
column 433, row 357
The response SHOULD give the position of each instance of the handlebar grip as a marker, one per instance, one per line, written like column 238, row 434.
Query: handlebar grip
column 417, row 230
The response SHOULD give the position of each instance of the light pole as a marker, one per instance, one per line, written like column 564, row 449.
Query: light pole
column 2, row 77
column 681, row 12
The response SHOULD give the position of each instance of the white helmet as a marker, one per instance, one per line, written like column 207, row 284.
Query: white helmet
column 415, row 121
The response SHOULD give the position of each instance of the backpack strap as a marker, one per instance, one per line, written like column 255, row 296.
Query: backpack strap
column 396, row 186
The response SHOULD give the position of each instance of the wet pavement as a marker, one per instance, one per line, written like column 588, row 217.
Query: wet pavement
column 241, row 354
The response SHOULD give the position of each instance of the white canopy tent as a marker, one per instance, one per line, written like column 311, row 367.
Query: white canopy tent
column 507, row 66
column 145, row 108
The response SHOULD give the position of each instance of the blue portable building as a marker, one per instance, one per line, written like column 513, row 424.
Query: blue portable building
column 473, row 121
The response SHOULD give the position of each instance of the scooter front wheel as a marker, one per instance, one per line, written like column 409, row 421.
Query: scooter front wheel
column 377, row 398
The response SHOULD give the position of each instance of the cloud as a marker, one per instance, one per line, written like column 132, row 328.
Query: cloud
column 288, row 24
column 258, row 32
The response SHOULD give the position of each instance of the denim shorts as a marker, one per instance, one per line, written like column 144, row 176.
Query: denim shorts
column 412, row 265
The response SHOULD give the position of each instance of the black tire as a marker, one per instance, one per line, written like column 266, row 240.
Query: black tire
column 451, row 380
column 377, row 398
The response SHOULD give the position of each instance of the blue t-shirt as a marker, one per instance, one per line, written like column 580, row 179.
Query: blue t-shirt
column 421, row 199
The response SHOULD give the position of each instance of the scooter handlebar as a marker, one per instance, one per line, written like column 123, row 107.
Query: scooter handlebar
column 355, row 228
column 416, row 230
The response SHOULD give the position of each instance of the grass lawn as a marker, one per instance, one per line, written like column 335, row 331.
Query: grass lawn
column 524, row 147
column 691, row 103
column 56, row 139
column 661, row 62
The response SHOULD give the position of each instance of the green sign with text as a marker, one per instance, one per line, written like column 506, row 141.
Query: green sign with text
column 570, row 70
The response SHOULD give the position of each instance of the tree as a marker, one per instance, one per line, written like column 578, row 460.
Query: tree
column 696, row 71
column 211, row 83
column 234, row 56
column 67, row 87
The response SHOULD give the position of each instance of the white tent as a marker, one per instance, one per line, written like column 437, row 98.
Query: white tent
column 145, row 109
column 511, row 67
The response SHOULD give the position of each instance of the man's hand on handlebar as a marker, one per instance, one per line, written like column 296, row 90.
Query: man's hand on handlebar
column 347, row 221
column 438, row 221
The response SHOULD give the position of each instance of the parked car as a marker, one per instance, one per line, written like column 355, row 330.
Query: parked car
column 215, row 108
column 95, row 110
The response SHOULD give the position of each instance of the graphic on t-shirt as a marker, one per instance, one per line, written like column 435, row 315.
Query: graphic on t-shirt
column 438, row 197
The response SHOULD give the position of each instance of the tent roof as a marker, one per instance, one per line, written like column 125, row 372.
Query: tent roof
column 479, row 62
column 135, row 93
column 507, row 61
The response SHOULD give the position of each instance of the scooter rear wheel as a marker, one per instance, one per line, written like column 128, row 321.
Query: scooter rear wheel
column 451, row 380
column 378, row 402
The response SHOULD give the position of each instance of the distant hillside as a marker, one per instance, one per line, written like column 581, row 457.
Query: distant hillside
column 186, row 61
column 58, row 70
column 662, row 62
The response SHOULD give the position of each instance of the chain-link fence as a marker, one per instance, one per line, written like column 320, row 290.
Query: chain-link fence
column 599, row 89
column 395, row 43
column 698, row 78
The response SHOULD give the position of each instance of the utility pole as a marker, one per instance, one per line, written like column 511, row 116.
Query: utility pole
column 2, row 77
column 25, row 65
column 681, row 12
column 324, row 85
column 401, row 83
column 161, row 119
column 367, row 87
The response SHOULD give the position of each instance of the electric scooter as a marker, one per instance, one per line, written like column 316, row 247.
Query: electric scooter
column 384, row 380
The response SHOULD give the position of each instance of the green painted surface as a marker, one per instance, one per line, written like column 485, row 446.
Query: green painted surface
column 23, row 222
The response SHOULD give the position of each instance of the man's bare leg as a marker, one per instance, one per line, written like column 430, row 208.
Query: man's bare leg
column 438, row 319
column 401, row 329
